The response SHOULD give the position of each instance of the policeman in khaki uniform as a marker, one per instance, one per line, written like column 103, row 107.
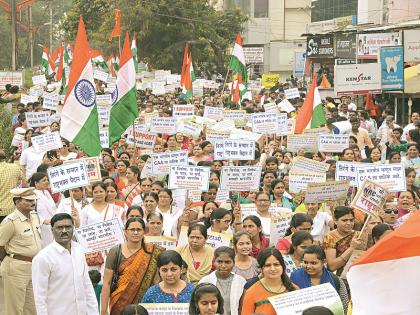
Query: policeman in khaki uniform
column 20, row 241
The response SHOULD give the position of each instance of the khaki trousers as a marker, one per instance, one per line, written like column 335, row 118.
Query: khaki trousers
column 17, row 284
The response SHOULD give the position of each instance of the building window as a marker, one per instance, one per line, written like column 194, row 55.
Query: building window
column 324, row 10
column 244, row 5
column 261, row 8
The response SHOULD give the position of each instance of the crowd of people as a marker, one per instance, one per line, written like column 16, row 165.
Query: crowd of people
column 45, row 271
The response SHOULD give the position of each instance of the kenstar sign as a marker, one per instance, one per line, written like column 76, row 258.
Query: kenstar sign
column 357, row 79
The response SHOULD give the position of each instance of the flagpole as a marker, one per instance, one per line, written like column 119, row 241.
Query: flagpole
column 224, row 83
column 119, row 44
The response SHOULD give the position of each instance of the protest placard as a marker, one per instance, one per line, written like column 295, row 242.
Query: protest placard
column 39, row 80
column 189, row 177
column 301, row 163
column 333, row 143
column 302, row 142
column 104, row 137
column 142, row 139
column 50, row 102
column 198, row 89
column 100, row 236
column 222, row 195
column 180, row 111
column 166, row 242
column 238, row 116
column 295, row 302
column 286, row 106
column 161, row 162
column 322, row 192
column 241, row 134
column 265, row 123
column 218, row 150
column 278, row 226
column 165, row 125
column 347, row 171
column 240, row 178
column 17, row 139
column 147, row 169
column 271, row 108
column 298, row 180
column 37, row 119
column 25, row 99
column 104, row 100
column 166, row 308
column 370, row 197
column 189, row 129
column 251, row 209
column 389, row 176
column 316, row 131
column 241, row 150
column 36, row 91
column 159, row 90
column 47, row 141
column 68, row 176
column 93, row 166
column 216, row 240
column 211, row 112
column 214, row 135
column 173, row 78
column 282, row 124
column 291, row 93
column 100, row 75
column 104, row 113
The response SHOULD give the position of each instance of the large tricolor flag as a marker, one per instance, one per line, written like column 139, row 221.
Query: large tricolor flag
column 134, row 52
column 386, row 279
column 187, row 78
column 79, row 117
column 124, row 109
column 47, row 64
column 237, row 60
column 238, row 89
column 311, row 115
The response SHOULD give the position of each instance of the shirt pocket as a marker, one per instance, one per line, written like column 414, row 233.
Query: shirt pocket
column 26, row 238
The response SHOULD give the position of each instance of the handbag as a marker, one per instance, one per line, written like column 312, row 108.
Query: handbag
column 96, row 259
column 116, row 274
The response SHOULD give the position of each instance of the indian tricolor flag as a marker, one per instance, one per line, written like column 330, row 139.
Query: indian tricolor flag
column 386, row 279
column 237, row 60
column 311, row 115
column 47, row 64
column 124, row 109
column 134, row 52
column 79, row 117
column 187, row 79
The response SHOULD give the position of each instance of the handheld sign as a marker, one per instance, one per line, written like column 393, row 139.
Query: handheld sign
column 39, row 80
column 181, row 111
column 165, row 125
column 166, row 242
column 241, row 150
column 100, row 75
column 25, row 99
column 37, row 119
column 282, row 124
column 390, row 176
column 189, row 177
column 298, row 180
column 333, row 143
column 100, row 236
column 322, row 192
column 302, row 141
column 291, row 93
column 68, row 176
column 47, row 141
column 301, row 163
column 370, row 197
column 161, row 162
column 240, row 178
column 50, row 102
column 278, row 226
column 211, row 112
column 167, row 308
column 265, row 123
column 143, row 139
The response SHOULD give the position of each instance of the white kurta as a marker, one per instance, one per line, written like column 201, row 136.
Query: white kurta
column 61, row 282
column 46, row 208
column 170, row 221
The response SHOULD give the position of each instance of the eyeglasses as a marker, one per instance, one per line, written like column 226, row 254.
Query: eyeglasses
column 135, row 230
column 389, row 211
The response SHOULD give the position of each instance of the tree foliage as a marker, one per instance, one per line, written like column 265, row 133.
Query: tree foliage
column 162, row 27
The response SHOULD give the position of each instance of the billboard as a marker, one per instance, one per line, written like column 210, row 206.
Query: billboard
column 368, row 45
column 11, row 77
column 392, row 65
column 345, row 46
column 412, row 45
column 321, row 46
column 357, row 79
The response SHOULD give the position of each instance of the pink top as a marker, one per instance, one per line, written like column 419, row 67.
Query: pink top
column 283, row 245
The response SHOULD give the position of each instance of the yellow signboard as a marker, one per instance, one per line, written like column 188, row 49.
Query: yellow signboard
column 270, row 80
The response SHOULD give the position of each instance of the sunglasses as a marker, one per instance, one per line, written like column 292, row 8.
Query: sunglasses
column 395, row 211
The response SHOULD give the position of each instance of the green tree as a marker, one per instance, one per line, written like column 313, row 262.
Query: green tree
column 162, row 28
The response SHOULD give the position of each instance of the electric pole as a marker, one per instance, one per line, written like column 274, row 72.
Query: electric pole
column 14, row 37
column 31, row 36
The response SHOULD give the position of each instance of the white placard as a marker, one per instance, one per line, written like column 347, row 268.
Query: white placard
column 100, row 236
column 333, row 143
column 147, row 169
column 291, row 93
column 295, row 302
column 104, row 99
column 36, row 91
column 301, row 163
column 278, row 226
column 142, row 139
column 166, row 308
column 241, row 150
column 164, row 125
column 159, row 90
column 11, row 77
column 50, row 102
column 271, row 108
column 104, row 137
column 389, row 176
column 189, row 177
column 100, row 75
column 298, row 180
column 47, row 141
column 25, row 99
column 68, row 176
column 282, row 124
column 216, row 240
column 189, row 129
column 265, row 123
column 238, row 116
column 327, row 191
column 198, row 89
column 305, row 142
column 370, row 197
column 166, row 242
column 218, row 151
column 240, row 178
column 181, row 111
column 104, row 113
column 215, row 113
column 173, row 78
column 347, row 171
column 286, row 106
column 222, row 196
column 357, row 79
column 213, row 135
column 37, row 119
column 39, row 80
column 161, row 162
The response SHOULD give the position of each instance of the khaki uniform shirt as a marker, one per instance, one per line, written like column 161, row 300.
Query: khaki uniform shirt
column 10, row 177
column 21, row 235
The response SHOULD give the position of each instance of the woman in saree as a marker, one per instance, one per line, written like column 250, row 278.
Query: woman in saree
column 133, row 188
column 340, row 243
column 136, row 263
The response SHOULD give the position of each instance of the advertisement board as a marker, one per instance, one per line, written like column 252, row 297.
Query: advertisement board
column 320, row 46
column 345, row 46
column 412, row 45
column 357, row 79
column 392, row 68
column 368, row 45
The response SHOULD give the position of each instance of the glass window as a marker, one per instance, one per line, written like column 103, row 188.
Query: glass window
column 330, row 9
column 261, row 8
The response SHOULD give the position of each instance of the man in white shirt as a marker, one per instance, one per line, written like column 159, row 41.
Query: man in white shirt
column 30, row 160
column 60, row 274
column 415, row 119
column 384, row 132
